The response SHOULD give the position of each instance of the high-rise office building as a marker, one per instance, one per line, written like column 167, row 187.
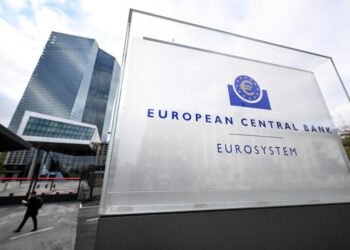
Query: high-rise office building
column 74, row 79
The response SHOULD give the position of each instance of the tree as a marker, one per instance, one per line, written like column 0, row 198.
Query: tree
column 2, row 159
column 345, row 138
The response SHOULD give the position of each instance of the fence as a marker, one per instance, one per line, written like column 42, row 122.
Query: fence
column 13, row 190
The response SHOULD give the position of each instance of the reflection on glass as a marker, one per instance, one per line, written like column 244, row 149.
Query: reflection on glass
column 173, row 149
column 48, row 128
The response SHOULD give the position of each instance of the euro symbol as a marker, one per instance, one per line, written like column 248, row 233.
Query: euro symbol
column 246, row 86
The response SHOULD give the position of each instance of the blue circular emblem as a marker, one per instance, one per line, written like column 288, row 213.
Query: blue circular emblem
column 247, row 89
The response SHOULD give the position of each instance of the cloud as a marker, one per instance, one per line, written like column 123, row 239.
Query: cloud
column 23, row 43
column 341, row 117
column 18, row 55
column 320, row 27
column 8, row 106
column 16, row 5
column 317, row 26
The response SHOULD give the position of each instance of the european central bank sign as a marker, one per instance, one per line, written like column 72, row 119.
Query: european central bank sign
column 200, row 130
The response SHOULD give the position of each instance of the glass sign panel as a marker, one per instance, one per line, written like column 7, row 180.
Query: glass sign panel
column 199, row 129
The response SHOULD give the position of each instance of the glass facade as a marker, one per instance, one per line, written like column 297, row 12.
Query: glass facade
column 58, row 164
column 19, row 157
column 75, row 80
column 72, row 80
column 96, row 103
column 54, row 129
column 56, row 79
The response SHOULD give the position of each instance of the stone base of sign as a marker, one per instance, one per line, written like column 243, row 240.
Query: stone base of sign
column 299, row 227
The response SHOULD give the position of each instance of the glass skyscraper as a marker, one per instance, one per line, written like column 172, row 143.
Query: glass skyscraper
column 74, row 79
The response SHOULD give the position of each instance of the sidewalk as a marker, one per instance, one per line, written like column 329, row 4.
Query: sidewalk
column 87, row 226
column 56, row 227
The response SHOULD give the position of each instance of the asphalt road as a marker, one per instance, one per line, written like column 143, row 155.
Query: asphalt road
column 56, row 227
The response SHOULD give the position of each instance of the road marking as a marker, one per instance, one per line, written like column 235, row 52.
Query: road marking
column 38, row 231
column 89, row 207
column 92, row 219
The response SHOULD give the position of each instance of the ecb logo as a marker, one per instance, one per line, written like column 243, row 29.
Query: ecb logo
column 247, row 93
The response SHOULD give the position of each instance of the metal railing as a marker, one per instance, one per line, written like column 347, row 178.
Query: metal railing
column 50, row 188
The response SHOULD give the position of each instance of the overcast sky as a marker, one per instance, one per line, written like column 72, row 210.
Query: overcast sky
column 318, row 26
